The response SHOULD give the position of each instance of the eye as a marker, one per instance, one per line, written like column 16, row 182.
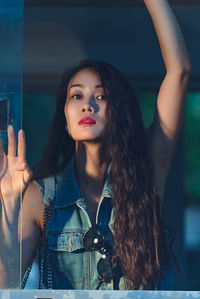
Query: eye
column 101, row 97
column 76, row 96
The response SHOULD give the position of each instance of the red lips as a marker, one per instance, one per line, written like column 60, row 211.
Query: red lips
column 87, row 121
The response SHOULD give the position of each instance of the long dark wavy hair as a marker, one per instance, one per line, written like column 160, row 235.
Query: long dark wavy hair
column 139, row 233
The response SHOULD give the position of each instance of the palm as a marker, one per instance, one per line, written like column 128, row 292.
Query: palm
column 14, row 172
column 10, row 182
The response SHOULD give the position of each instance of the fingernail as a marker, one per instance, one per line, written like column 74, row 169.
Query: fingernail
column 21, row 133
column 10, row 128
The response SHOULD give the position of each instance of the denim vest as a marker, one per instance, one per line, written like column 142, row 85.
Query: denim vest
column 72, row 266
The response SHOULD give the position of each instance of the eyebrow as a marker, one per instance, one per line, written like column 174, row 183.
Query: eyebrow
column 82, row 86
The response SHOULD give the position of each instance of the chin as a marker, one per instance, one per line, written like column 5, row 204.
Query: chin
column 88, row 138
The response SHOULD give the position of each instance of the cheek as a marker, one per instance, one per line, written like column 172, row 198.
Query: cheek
column 70, row 111
column 103, row 113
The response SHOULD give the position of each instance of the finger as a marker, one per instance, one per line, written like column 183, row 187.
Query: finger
column 24, row 168
column 20, row 166
column 11, row 142
column 27, row 175
column 21, row 145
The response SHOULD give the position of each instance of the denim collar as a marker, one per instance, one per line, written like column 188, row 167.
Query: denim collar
column 67, row 190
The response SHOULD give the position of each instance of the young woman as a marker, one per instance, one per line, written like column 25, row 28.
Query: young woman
column 104, row 177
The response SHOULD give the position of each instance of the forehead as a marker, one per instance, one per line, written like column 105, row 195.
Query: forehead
column 86, row 77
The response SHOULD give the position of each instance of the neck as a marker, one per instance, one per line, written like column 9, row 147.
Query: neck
column 90, row 168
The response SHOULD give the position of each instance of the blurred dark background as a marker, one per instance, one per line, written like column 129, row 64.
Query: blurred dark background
column 59, row 33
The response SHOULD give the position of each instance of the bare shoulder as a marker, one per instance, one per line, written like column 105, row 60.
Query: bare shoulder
column 33, row 203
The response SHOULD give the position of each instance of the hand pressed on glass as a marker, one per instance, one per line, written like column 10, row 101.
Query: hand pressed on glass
column 15, row 173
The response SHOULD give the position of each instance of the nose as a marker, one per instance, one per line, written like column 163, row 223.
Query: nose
column 88, row 107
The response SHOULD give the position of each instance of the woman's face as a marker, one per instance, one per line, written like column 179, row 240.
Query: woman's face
column 85, row 106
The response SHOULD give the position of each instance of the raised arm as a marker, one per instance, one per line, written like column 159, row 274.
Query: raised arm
column 163, row 132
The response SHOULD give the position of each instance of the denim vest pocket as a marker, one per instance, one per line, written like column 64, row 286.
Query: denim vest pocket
column 71, row 263
column 65, row 241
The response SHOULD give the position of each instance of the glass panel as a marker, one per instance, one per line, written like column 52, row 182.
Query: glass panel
column 192, row 196
column 88, row 294
column 11, row 38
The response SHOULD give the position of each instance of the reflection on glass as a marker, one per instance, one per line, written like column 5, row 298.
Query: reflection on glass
column 11, row 24
column 4, row 113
